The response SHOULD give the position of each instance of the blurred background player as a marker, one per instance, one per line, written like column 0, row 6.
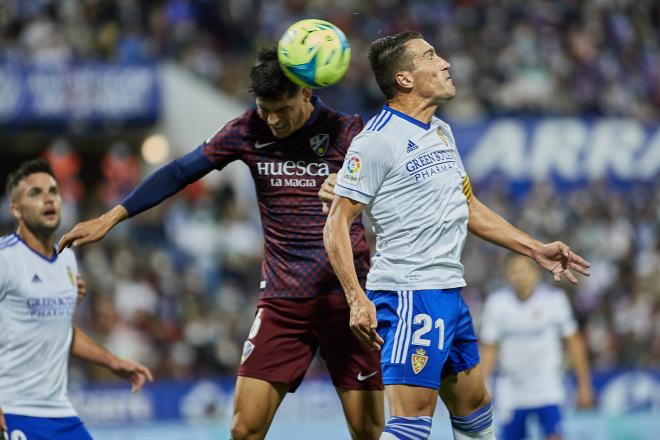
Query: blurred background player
column 291, row 143
column 522, row 330
column 404, row 169
column 38, row 296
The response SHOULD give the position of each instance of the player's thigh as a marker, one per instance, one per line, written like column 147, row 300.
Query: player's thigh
column 418, row 328
column 464, row 392
column 364, row 411
column 514, row 425
column 41, row 428
column 550, row 420
column 351, row 364
column 411, row 401
column 280, row 345
column 255, row 404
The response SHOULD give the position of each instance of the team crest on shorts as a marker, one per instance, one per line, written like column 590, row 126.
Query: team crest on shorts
column 419, row 360
column 320, row 143
column 247, row 351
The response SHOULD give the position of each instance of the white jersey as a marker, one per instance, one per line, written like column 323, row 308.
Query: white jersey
column 529, row 334
column 37, row 303
column 410, row 177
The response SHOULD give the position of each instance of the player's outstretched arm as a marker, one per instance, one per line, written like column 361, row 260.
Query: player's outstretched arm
column 578, row 353
column 92, row 230
column 161, row 184
column 85, row 348
column 337, row 241
column 555, row 257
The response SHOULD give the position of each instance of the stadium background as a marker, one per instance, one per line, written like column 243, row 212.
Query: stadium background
column 557, row 116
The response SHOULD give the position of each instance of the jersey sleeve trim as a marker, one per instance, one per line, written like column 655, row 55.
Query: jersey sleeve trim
column 352, row 194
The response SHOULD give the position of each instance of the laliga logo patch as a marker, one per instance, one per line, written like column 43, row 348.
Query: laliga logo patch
column 320, row 143
column 353, row 168
column 70, row 273
column 419, row 360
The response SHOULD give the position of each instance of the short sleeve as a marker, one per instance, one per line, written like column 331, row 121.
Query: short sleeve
column 364, row 168
column 490, row 333
column 224, row 146
column 567, row 323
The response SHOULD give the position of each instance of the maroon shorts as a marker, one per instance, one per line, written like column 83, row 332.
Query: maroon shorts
column 287, row 332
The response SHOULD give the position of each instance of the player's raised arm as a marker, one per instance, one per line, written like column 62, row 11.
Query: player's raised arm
column 337, row 241
column 555, row 257
column 161, row 184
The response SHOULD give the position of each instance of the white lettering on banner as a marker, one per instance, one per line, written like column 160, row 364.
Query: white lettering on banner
column 10, row 92
column 551, row 137
column 291, row 168
column 501, row 148
column 613, row 146
column 569, row 148
column 113, row 406
column 649, row 161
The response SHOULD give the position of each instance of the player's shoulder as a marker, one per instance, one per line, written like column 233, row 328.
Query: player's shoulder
column 8, row 243
column 235, row 131
column 548, row 292
column 68, row 255
column 501, row 296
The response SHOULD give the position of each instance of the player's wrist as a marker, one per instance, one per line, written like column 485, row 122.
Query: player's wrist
column 114, row 216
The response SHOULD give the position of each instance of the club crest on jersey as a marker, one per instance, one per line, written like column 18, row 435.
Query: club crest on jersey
column 320, row 143
column 419, row 360
column 70, row 273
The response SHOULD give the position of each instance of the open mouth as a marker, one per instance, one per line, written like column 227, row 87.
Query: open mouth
column 50, row 213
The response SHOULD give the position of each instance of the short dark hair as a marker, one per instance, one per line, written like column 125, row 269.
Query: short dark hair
column 387, row 56
column 267, row 81
column 33, row 166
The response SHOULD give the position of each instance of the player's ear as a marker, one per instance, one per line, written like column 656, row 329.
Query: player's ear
column 307, row 94
column 15, row 212
column 404, row 80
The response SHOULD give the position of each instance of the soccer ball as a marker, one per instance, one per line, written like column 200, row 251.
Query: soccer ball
column 313, row 53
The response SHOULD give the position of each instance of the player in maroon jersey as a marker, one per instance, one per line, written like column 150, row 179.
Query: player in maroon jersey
column 291, row 142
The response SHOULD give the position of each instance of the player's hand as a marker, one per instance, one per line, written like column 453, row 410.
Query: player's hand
column 84, row 233
column 558, row 259
column 4, row 435
column 81, row 287
column 363, row 321
column 327, row 192
column 585, row 396
column 137, row 374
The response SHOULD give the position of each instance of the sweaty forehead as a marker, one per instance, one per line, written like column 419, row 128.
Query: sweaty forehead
column 39, row 180
column 275, row 104
column 418, row 46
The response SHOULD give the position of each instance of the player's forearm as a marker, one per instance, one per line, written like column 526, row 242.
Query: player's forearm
column 578, row 353
column 83, row 347
column 337, row 241
column 491, row 227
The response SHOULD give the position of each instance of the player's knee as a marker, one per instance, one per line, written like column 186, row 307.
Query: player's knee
column 240, row 430
column 367, row 429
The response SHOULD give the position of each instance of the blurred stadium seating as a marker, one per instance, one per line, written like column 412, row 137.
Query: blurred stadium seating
column 557, row 113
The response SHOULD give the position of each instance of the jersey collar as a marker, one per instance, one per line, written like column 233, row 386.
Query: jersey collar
column 410, row 119
column 50, row 260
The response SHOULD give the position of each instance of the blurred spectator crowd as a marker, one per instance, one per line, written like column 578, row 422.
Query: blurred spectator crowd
column 176, row 287
column 516, row 57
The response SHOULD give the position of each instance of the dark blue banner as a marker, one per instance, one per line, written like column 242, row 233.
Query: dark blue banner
column 618, row 392
column 81, row 95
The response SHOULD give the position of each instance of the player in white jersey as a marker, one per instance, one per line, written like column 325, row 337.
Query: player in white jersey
column 37, row 302
column 405, row 171
column 523, row 327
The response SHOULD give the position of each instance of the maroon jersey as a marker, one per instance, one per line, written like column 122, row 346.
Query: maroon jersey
column 288, row 174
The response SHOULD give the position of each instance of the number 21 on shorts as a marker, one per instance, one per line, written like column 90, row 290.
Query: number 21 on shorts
column 418, row 337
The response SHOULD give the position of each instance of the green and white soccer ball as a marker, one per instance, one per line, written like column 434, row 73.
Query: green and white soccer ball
column 314, row 53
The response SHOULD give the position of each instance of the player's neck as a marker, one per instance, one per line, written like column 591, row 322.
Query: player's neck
column 44, row 245
column 421, row 110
